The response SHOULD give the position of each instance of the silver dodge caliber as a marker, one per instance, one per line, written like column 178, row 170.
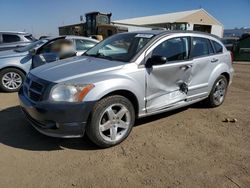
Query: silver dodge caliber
column 127, row 76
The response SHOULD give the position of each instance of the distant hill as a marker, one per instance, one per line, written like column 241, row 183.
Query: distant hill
column 236, row 32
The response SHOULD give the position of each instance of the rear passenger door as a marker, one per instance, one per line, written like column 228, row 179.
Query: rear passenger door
column 10, row 41
column 204, row 61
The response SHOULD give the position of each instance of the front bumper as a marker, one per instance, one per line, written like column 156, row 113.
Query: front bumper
column 62, row 120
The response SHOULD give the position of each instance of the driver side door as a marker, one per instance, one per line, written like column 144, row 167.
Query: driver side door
column 167, row 84
column 45, row 54
column 56, row 49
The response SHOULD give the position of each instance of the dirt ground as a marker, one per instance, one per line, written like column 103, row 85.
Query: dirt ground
column 191, row 147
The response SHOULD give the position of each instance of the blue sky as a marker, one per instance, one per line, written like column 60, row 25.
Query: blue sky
column 43, row 17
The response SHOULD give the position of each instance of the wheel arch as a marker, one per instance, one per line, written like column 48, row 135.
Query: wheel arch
column 13, row 67
column 127, row 94
column 221, row 69
column 227, row 75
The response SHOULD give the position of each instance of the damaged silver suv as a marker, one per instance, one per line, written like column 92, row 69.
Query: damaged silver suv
column 127, row 76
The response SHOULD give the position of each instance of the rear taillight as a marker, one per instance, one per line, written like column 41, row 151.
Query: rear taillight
column 232, row 57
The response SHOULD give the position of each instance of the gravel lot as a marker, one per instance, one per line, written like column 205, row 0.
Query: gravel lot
column 191, row 147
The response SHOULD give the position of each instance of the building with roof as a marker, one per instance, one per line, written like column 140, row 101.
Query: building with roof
column 196, row 20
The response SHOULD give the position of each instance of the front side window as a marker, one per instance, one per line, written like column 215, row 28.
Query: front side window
column 120, row 47
column 57, row 46
column 176, row 49
column 84, row 44
column 218, row 48
column 201, row 47
column 10, row 38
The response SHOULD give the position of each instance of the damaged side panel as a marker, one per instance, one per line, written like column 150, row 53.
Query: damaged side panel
column 167, row 84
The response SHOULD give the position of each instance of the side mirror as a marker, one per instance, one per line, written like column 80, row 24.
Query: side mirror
column 32, row 52
column 156, row 60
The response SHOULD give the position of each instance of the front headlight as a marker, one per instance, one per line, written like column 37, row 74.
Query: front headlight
column 70, row 92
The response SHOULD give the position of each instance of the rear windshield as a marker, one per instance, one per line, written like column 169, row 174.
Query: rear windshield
column 120, row 47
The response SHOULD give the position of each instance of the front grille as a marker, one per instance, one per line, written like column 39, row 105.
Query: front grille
column 34, row 96
column 36, row 86
column 33, row 89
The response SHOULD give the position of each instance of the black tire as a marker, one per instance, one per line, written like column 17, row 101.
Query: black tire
column 9, row 70
column 210, row 101
column 99, row 109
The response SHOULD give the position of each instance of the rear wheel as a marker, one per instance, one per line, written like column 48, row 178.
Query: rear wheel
column 11, row 79
column 218, row 93
column 111, row 121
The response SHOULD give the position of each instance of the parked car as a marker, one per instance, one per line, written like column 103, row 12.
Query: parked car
column 15, row 64
column 11, row 40
column 103, row 93
column 229, row 42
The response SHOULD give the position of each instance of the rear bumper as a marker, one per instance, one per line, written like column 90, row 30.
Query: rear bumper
column 231, row 72
column 57, row 120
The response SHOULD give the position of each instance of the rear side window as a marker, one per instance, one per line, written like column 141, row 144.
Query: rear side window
column 84, row 44
column 10, row 38
column 201, row 47
column 30, row 37
column 218, row 48
column 175, row 49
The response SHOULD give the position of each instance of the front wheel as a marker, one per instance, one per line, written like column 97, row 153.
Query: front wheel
column 218, row 93
column 11, row 79
column 111, row 121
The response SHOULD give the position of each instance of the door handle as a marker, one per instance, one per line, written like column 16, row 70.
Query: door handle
column 214, row 60
column 185, row 67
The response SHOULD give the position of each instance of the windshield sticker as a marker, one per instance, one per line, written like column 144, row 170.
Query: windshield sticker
column 148, row 36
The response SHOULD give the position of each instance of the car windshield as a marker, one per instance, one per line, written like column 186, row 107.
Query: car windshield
column 31, row 46
column 121, row 47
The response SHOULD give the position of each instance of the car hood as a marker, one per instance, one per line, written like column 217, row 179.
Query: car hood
column 11, row 53
column 74, row 68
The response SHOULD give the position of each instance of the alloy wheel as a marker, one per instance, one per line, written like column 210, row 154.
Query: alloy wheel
column 219, row 91
column 114, row 122
column 12, row 80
